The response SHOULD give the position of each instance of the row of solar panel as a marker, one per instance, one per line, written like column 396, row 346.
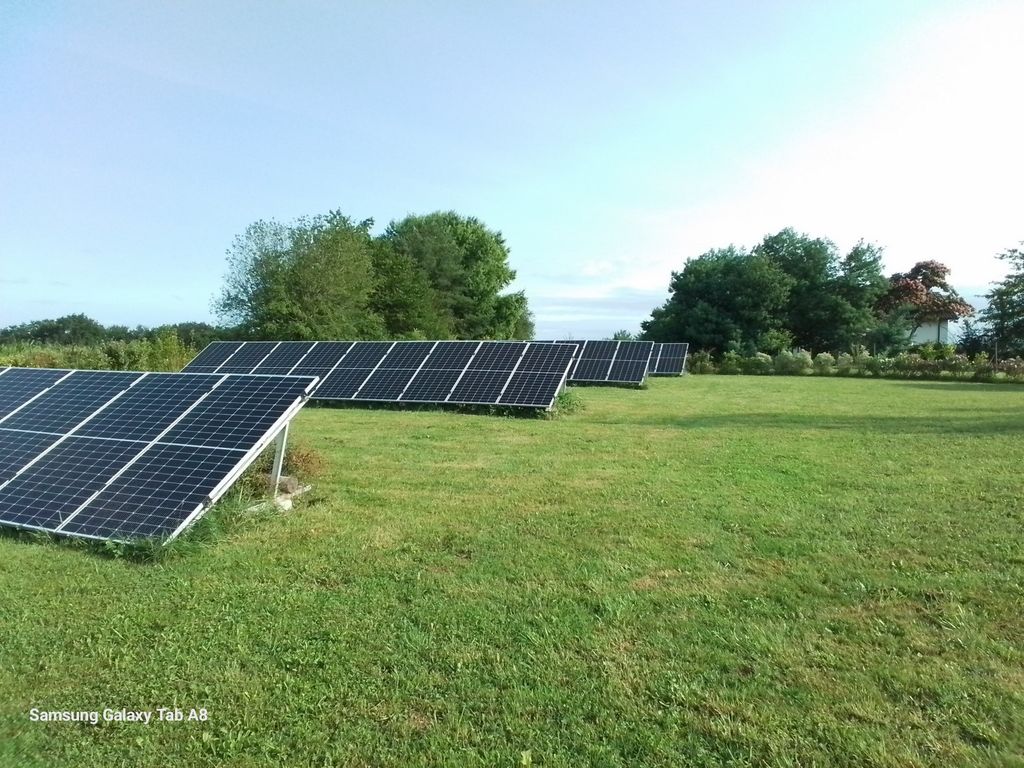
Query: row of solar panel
column 512, row 373
column 114, row 454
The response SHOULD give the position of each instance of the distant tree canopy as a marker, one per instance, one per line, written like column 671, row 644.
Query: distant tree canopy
column 70, row 329
column 436, row 276
column 82, row 330
column 789, row 290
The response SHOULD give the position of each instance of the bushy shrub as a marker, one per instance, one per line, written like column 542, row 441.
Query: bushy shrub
column 796, row 363
column 824, row 364
column 759, row 364
column 844, row 364
column 933, row 351
column 879, row 366
column 958, row 365
column 700, row 362
column 1012, row 367
column 163, row 353
column 861, row 360
column 731, row 364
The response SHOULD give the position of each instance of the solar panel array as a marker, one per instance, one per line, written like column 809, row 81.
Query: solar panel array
column 610, row 362
column 123, row 455
column 511, row 373
column 668, row 359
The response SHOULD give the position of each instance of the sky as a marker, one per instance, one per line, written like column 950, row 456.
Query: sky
column 608, row 142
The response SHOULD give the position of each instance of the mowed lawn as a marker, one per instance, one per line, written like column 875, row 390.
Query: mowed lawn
column 715, row 570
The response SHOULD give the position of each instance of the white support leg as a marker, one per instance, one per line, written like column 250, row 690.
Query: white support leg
column 275, row 473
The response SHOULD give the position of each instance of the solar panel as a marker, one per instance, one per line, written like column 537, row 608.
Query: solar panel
column 611, row 362
column 214, row 356
column 515, row 373
column 668, row 359
column 118, row 455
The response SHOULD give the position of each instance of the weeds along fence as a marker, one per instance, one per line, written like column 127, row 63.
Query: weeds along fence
column 164, row 353
column 943, row 365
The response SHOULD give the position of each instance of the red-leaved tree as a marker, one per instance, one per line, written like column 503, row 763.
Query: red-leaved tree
column 926, row 291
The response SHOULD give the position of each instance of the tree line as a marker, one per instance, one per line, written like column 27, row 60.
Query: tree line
column 434, row 276
column 82, row 330
column 794, row 291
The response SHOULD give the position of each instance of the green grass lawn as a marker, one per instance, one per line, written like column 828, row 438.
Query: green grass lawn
column 717, row 570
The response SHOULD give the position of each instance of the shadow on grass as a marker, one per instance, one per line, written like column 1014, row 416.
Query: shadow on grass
column 993, row 387
column 210, row 528
column 562, row 405
column 968, row 424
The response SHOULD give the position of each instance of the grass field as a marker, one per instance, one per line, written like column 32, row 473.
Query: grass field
column 717, row 570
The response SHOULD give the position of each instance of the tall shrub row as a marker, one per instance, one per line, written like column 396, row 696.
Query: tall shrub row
column 162, row 353
column 929, row 362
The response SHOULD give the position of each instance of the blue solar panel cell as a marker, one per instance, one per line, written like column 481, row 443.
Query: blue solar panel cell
column 628, row 371
column 385, row 384
column 343, row 383
column 19, row 385
column 408, row 355
column 537, row 390
column 59, row 482
column 17, row 449
column 71, row 401
column 321, row 358
column 285, row 357
column 431, row 385
column 497, row 356
column 156, row 494
column 149, row 407
column 238, row 411
column 482, row 387
column 634, row 350
column 213, row 356
column 250, row 355
column 547, row 358
column 365, row 354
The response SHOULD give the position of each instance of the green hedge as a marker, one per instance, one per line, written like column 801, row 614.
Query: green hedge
column 938, row 363
column 163, row 353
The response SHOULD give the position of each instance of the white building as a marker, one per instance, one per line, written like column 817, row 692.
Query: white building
column 935, row 331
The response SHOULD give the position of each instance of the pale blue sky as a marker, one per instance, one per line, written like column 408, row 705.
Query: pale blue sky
column 608, row 142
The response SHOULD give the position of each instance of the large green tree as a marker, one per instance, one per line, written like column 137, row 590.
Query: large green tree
column 403, row 296
column 311, row 279
column 831, row 300
column 724, row 299
column 1004, row 314
column 467, row 267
